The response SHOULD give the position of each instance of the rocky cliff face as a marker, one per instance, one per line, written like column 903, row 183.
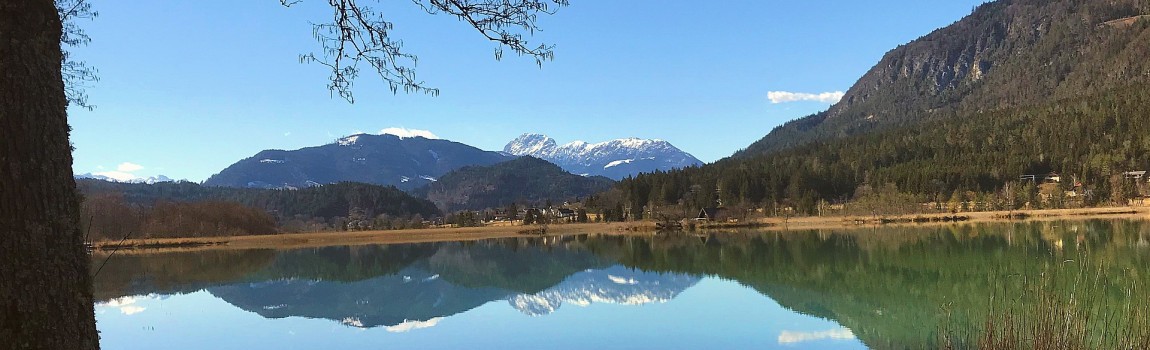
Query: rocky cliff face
column 1006, row 53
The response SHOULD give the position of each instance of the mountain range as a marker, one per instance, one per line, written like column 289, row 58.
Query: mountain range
column 429, row 297
column 457, row 176
column 408, row 286
column 134, row 180
column 412, row 162
column 404, row 162
column 615, row 159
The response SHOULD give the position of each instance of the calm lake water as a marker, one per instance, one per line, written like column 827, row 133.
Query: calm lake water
column 844, row 289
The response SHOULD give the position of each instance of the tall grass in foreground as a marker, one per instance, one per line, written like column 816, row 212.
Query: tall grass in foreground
column 1072, row 305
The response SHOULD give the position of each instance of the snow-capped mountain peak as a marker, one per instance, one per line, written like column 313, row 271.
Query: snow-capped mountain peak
column 531, row 144
column 616, row 159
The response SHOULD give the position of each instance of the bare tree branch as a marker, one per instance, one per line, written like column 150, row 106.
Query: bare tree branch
column 77, row 75
column 358, row 35
column 496, row 20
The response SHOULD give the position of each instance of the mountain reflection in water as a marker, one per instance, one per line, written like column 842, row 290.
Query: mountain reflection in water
column 389, row 286
column 415, row 295
column 887, row 287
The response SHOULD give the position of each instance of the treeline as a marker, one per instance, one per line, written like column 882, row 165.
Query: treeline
column 181, row 209
column 1090, row 141
column 107, row 216
column 528, row 216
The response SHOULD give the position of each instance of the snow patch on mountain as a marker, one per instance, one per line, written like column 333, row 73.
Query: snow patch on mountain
column 618, row 162
column 352, row 322
column 349, row 140
column 622, row 280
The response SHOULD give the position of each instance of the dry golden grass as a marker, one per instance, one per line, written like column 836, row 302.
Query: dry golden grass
column 306, row 240
column 322, row 239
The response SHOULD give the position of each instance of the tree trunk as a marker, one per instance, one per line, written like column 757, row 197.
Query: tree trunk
column 45, row 287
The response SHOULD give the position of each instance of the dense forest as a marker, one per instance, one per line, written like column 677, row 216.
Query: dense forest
column 184, row 209
column 1091, row 141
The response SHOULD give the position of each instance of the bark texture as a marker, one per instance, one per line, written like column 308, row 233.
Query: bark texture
column 45, row 287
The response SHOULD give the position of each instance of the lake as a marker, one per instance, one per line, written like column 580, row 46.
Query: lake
column 895, row 287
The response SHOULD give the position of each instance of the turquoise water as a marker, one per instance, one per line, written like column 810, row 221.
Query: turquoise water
column 888, row 288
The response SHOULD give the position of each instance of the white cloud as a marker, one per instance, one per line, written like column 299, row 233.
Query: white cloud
column 409, row 325
column 786, row 96
column 128, row 167
column 791, row 337
column 123, row 173
column 125, row 304
column 405, row 132
column 132, row 309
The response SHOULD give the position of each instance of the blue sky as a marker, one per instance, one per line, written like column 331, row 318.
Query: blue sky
column 189, row 87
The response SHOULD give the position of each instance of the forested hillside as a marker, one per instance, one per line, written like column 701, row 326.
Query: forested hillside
column 1006, row 54
column 526, row 180
column 1090, row 140
column 1019, row 87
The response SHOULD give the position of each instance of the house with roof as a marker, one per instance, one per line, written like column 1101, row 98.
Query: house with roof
column 711, row 214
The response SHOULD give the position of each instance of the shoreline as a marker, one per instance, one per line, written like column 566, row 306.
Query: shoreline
column 430, row 235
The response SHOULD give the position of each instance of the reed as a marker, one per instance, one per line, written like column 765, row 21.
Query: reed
column 1066, row 306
